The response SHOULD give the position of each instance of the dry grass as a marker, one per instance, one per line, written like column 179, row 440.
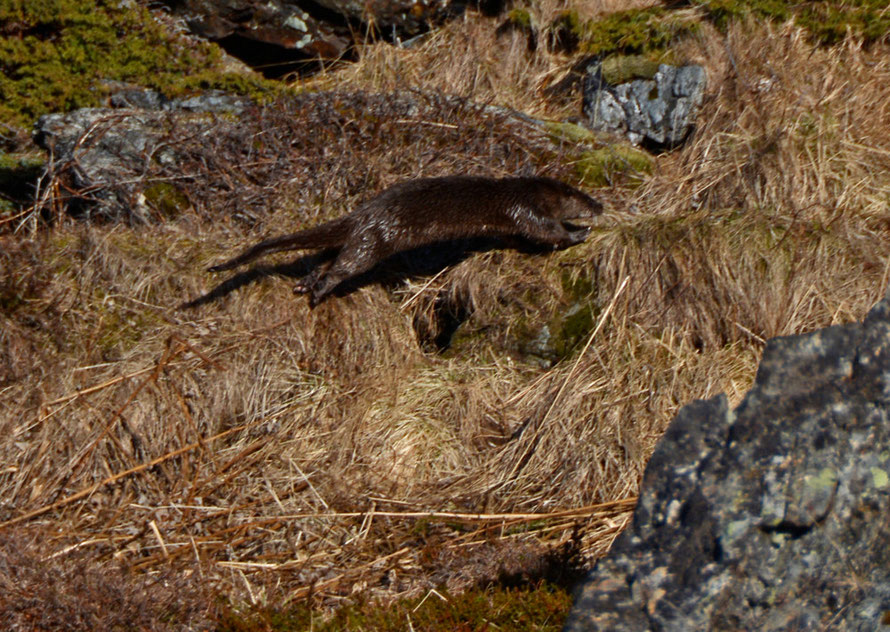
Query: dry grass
column 468, row 58
column 282, row 453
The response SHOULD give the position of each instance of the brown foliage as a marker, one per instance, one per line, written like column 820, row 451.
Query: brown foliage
column 68, row 591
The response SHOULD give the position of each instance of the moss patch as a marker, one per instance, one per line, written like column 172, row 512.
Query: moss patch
column 520, row 18
column 827, row 20
column 618, row 69
column 651, row 31
column 165, row 198
column 56, row 55
column 18, row 176
column 635, row 31
column 571, row 329
column 542, row 608
column 614, row 164
column 570, row 132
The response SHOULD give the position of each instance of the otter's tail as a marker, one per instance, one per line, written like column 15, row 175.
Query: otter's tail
column 328, row 235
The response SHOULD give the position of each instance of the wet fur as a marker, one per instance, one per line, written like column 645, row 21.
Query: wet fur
column 420, row 212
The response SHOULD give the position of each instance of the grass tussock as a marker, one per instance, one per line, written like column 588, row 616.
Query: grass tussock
column 300, row 456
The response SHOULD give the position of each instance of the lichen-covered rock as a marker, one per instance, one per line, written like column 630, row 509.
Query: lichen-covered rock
column 103, row 154
column 208, row 101
column 659, row 111
column 772, row 516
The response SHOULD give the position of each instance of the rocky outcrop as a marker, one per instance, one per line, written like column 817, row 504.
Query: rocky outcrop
column 151, row 157
column 272, row 35
column 280, row 36
column 100, row 156
column 772, row 516
column 658, row 111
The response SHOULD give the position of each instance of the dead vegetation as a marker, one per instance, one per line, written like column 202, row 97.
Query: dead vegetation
column 284, row 454
column 43, row 589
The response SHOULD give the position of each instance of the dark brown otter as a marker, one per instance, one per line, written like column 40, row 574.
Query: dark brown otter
column 420, row 212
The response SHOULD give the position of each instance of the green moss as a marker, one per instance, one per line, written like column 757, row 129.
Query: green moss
column 520, row 17
column 57, row 55
column 570, row 133
column 721, row 12
column 577, row 286
column 623, row 68
column 635, row 31
column 827, row 20
column 18, row 165
column 651, row 31
column 572, row 328
column 256, row 87
column 603, row 167
column 121, row 328
column 542, row 607
column 168, row 200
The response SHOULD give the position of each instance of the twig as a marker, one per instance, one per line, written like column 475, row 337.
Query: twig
column 413, row 298
column 624, row 504
column 157, row 532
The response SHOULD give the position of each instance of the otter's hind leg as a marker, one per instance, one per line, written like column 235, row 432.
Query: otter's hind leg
column 310, row 280
column 354, row 259
column 305, row 285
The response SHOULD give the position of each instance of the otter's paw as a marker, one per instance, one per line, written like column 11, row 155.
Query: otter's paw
column 577, row 236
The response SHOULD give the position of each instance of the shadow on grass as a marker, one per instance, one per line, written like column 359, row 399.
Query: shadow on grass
column 418, row 262
column 536, row 597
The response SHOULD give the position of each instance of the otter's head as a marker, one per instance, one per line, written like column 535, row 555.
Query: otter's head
column 566, row 202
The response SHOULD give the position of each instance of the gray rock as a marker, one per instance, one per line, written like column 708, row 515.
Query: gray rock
column 139, row 98
column 101, row 155
column 279, row 36
column 209, row 101
column 263, row 32
column 659, row 111
column 772, row 516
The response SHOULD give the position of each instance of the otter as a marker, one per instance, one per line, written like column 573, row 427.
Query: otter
column 420, row 212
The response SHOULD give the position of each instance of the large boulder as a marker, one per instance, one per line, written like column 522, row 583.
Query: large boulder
column 101, row 156
column 772, row 516
column 657, row 110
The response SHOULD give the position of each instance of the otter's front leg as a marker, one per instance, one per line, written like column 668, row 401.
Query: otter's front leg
column 552, row 232
column 577, row 236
